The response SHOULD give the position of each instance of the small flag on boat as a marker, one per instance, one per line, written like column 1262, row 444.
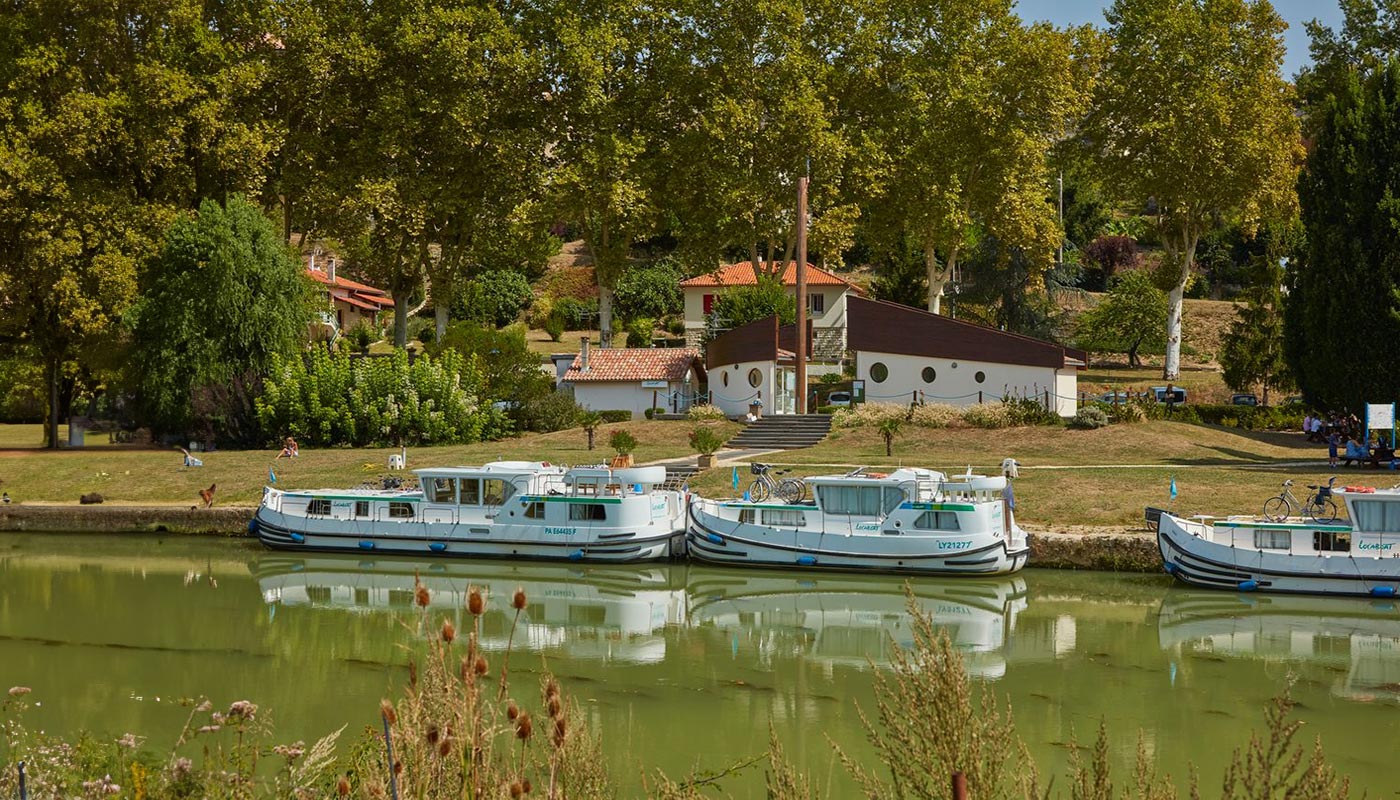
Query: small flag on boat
column 736, row 477
column 1172, row 490
column 271, row 476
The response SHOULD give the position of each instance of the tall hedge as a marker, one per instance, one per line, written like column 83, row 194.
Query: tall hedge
column 331, row 399
column 1342, row 314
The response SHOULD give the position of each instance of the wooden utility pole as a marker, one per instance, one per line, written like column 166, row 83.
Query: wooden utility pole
column 801, row 349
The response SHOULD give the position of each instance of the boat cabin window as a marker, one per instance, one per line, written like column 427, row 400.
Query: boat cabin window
column 1376, row 516
column 1331, row 541
column 362, row 508
column 588, row 511
column 471, row 491
column 401, row 510
column 534, row 510
column 937, row 521
column 495, row 492
column 783, row 518
column 1273, row 540
column 318, row 508
column 442, row 491
column 746, row 516
column 869, row 501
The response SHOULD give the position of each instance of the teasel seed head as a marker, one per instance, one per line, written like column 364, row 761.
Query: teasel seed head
column 516, row 789
column 412, row 672
column 475, row 602
column 517, row 601
column 560, row 730
column 445, row 746
column 432, row 734
column 512, row 711
column 551, row 689
column 525, row 784
column 342, row 786
column 555, row 706
column 420, row 595
column 480, row 666
column 523, row 727
column 449, row 631
column 398, row 767
column 386, row 710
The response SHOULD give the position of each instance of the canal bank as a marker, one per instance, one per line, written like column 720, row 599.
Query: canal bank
column 1095, row 549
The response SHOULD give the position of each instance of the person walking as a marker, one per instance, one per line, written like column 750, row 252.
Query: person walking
column 1333, row 440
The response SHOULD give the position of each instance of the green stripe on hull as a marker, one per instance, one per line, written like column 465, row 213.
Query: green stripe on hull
column 1285, row 526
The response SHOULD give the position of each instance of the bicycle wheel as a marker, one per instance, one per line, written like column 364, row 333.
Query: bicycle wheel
column 758, row 491
column 791, row 490
column 1323, row 510
column 1276, row 509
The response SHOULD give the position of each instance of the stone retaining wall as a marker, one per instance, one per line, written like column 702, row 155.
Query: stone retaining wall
column 1114, row 552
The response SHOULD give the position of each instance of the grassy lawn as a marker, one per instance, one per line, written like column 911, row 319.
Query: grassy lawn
column 125, row 475
column 1202, row 384
column 32, row 436
column 539, row 341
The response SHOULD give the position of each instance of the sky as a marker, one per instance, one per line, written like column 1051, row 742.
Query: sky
column 1294, row 12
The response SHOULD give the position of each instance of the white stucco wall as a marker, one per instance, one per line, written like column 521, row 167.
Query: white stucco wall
column 733, row 399
column 834, row 317
column 599, row 396
column 958, row 385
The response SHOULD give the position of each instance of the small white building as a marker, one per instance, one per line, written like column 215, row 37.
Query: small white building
column 754, row 363
column 910, row 355
column 826, row 302
column 635, row 379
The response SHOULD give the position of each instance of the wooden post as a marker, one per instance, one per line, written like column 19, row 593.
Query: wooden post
column 801, row 267
column 959, row 785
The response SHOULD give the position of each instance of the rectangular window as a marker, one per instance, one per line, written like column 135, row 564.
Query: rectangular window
column 318, row 508
column 588, row 511
column 1331, row 541
column 893, row 498
column 856, row 500
column 937, row 521
column 495, row 492
column 1376, row 516
column 534, row 510
column 816, row 303
column 443, row 491
column 783, row 518
column 362, row 508
column 746, row 516
column 471, row 491
column 708, row 301
column 401, row 511
column 1273, row 540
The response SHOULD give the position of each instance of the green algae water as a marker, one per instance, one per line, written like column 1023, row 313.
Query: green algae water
column 683, row 667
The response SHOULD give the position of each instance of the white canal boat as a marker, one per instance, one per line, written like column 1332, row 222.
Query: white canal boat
column 507, row 509
column 1292, row 555
column 910, row 520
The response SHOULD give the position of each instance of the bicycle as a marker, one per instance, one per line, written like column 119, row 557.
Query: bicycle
column 788, row 490
column 1320, row 506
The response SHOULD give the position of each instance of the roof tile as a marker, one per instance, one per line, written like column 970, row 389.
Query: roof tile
column 634, row 364
column 742, row 274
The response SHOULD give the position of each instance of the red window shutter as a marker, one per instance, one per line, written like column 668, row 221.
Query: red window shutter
column 709, row 303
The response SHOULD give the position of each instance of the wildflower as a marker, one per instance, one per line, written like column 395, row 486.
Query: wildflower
column 20, row 691
column 386, row 710
column 204, row 706
column 181, row 768
column 525, row 784
column 420, row 595
column 241, row 711
column 342, row 786
column 449, row 631
column 445, row 746
column 555, row 706
column 559, row 730
column 475, row 603
column 551, row 689
column 209, row 729
column 291, row 752
column 523, row 727
column 432, row 734
column 517, row 601
column 412, row 672
column 480, row 666
column 512, row 711
column 128, row 741
column 516, row 789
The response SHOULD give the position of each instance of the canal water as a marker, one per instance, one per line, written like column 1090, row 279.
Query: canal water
column 684, row 667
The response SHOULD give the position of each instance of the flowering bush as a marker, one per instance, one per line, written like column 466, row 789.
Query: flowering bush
column 704, row 413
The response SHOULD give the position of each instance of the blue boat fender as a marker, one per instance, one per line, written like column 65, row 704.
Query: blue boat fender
column 1383, row 591
column 253, row 526
column 807, row 561
column 713, row 538
column 298, row 538
column 365, row 544
column 1248, row 586
column 1170, row 568
column 437, row 547
column 577, row 555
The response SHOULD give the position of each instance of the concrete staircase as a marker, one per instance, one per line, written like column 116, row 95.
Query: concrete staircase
column 782, row 432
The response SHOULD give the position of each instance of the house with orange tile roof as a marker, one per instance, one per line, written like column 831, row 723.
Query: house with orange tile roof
column 347, row 302
column 635, row 378
column 826, row 301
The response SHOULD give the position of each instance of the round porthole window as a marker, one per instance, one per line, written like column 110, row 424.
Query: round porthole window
column 979, row 377
column 724, row 378
column 755, row 377
column 879, row 372
column 929, row 374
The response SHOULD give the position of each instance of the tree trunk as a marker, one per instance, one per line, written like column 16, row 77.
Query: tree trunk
column 603, row 273
column 1133, row 361
column 889, row 446
column 605, row 316
column 439, row 319
column 52, row 371
column 401, row 298
column 753, row 253
column 938, row 278
column 1171, row 365
column 590, row 438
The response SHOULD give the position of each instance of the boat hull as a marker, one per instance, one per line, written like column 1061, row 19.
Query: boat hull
column 812, row 550
column 282, row 532
column 1198, row 562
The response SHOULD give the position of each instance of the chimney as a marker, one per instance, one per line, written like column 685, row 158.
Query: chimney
column 311, row 265
column 330, row 273
column 583, row 355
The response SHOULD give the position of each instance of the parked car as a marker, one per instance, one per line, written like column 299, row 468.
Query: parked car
column 1178, row 394
column 1243, row 400
column 841, row 399
column 1114, row 398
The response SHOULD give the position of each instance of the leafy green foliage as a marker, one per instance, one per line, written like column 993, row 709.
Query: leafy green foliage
column 652, row 292
column 1343, row 313
column 495, row 298
column 705, row 441
column 888, row 429
column 221, row 302
column 622, row 442
column 326, row 399
column 509, row 371
column 1089, row 418
column 744, row 304
column 1252, row 351
column 1007, row 294
column 639, row 332
column 615, row 415
column 576, row 315
column 1130, row 319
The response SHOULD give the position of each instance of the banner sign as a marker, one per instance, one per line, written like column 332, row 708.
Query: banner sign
column 1380, row 416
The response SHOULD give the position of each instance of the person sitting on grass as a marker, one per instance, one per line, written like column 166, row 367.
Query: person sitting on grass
column 1356, row 451
column 289, row 449
column 191, row 461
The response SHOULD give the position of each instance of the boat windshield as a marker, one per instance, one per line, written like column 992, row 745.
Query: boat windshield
column 866, row 501
column 1376, row 516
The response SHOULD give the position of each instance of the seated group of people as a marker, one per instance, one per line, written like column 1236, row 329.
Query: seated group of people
column 1375, row 457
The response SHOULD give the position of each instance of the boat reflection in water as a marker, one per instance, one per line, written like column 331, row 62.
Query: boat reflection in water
column 851, row 621
column 1359, row 639
column 592, row 613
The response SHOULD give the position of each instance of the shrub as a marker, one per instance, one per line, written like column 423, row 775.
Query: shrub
column 362, row 336
column 639, row 332
column 553, row 411
column 936, row 415
column 653, row 413
column 615, row 415
column 554, row 326
column 675, row 326
column 622, row 442
column 989, row 415
column 828, row 409
column 1029, row 411
column 704, row 413
column 652, row 291
column 495, row 297
column 577, row 315
column 705, row 441
column 1089, row 418
column 1255, row 418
